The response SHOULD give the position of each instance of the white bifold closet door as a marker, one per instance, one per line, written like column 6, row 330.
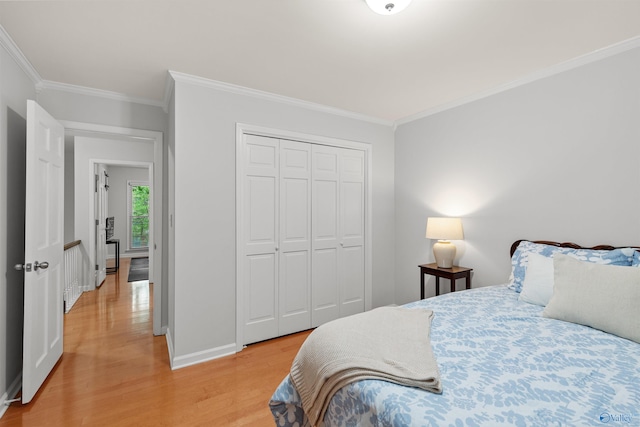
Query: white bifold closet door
column 303, row 228
column 337, row 233
column 277, row 230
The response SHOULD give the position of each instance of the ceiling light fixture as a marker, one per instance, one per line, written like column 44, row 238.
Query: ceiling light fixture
column 388, row 7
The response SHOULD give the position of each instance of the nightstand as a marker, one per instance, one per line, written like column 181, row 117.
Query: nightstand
column 452, row 274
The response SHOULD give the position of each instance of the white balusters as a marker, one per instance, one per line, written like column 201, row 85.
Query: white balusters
column 72, row 275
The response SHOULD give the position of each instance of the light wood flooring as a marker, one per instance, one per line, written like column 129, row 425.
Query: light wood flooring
column 114, row 372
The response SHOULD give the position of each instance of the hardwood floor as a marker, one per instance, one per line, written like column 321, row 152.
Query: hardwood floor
column 114, row 372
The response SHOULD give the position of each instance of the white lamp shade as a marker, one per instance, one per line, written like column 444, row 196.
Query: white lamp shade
column 388, row 7
column 444, row 229
column 441, row 228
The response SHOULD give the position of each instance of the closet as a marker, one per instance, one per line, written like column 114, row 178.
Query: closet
column 301, row 237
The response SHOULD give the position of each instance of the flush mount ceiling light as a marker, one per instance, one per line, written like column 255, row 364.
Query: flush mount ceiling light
column 388, row 7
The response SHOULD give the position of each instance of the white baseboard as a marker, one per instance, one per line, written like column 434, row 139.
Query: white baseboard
column 200, row 356
column 11, row 393
column 169, row 339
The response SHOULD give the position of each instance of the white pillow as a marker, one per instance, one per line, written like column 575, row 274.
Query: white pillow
column 537, row 286
column 605, row 297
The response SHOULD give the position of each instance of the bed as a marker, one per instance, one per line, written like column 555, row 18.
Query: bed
column 504, row 361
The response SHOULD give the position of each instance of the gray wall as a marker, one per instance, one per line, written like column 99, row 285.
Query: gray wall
column 117, row 194
column 91, row 109
column 15, row 89
column 205, row 215
column 556, row 159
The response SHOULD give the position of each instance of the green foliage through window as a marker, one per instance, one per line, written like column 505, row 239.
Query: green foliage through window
column 139, row 216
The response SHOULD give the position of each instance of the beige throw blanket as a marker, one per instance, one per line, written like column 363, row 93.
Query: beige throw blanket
column 388, row 343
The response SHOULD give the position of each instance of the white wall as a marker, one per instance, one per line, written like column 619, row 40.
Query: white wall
column 119, row 176
column 555, row 159
column 99, row 150
column 15, row 88
column 205, row 126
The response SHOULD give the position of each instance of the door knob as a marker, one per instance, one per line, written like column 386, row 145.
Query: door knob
column 21, row 267
column 43, row 265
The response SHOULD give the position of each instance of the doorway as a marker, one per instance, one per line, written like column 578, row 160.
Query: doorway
column 122, row 200
column 119, row 146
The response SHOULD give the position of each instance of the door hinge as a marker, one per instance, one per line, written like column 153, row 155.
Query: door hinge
column 97, row 221
column 95, row 184
column 97, row 267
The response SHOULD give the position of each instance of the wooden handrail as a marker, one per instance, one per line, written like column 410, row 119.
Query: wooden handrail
column 72, row 244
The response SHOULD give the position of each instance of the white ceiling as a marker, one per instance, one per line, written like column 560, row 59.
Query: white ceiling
column 336, row 53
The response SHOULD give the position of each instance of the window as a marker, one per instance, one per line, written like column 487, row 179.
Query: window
column 138, row 213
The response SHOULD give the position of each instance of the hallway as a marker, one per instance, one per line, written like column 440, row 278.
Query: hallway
column 114, row 372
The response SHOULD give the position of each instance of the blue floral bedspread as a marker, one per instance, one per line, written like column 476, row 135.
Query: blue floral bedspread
column 501, row 363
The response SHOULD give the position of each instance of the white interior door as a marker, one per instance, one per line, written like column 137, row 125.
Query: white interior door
column 352, row 257
column 260, row 230
column 294, row 287
column 100, row 213
column 338, row 283
column 325, row 234
column 44, row 247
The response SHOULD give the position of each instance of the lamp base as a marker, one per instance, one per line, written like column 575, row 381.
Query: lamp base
column 444, row 252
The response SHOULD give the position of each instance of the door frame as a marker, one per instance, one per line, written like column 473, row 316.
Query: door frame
column 98, row 199
column 243, row 129
column 156, row 174
column 92, row 213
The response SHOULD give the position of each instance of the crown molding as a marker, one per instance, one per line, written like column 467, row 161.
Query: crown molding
column 99, row 93
column 12, row 49
column 268, row 96
column 570, row 64
column 40, row 84
column 169, row 86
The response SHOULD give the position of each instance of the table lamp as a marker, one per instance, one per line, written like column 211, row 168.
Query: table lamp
column 444, row 230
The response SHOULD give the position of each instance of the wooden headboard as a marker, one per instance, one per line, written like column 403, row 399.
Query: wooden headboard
column 515, row 244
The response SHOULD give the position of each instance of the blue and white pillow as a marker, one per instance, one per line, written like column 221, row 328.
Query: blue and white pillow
column 636, row 259
column 520, row 258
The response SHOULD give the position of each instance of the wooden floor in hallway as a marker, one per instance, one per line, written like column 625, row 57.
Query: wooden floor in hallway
column 114, row 372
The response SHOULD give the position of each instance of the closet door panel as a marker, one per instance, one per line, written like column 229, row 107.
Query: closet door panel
column 260, row 297
column 294, row 292
column 260, row 224
column 326, row 213
column 325, row 234
column 353, row 213
column 352, row 197
column 352, row 281
column 260, row 230
column 325, row 293
column 352, row 219
column 295, row 213
column 260, row 195
column 295, row 237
